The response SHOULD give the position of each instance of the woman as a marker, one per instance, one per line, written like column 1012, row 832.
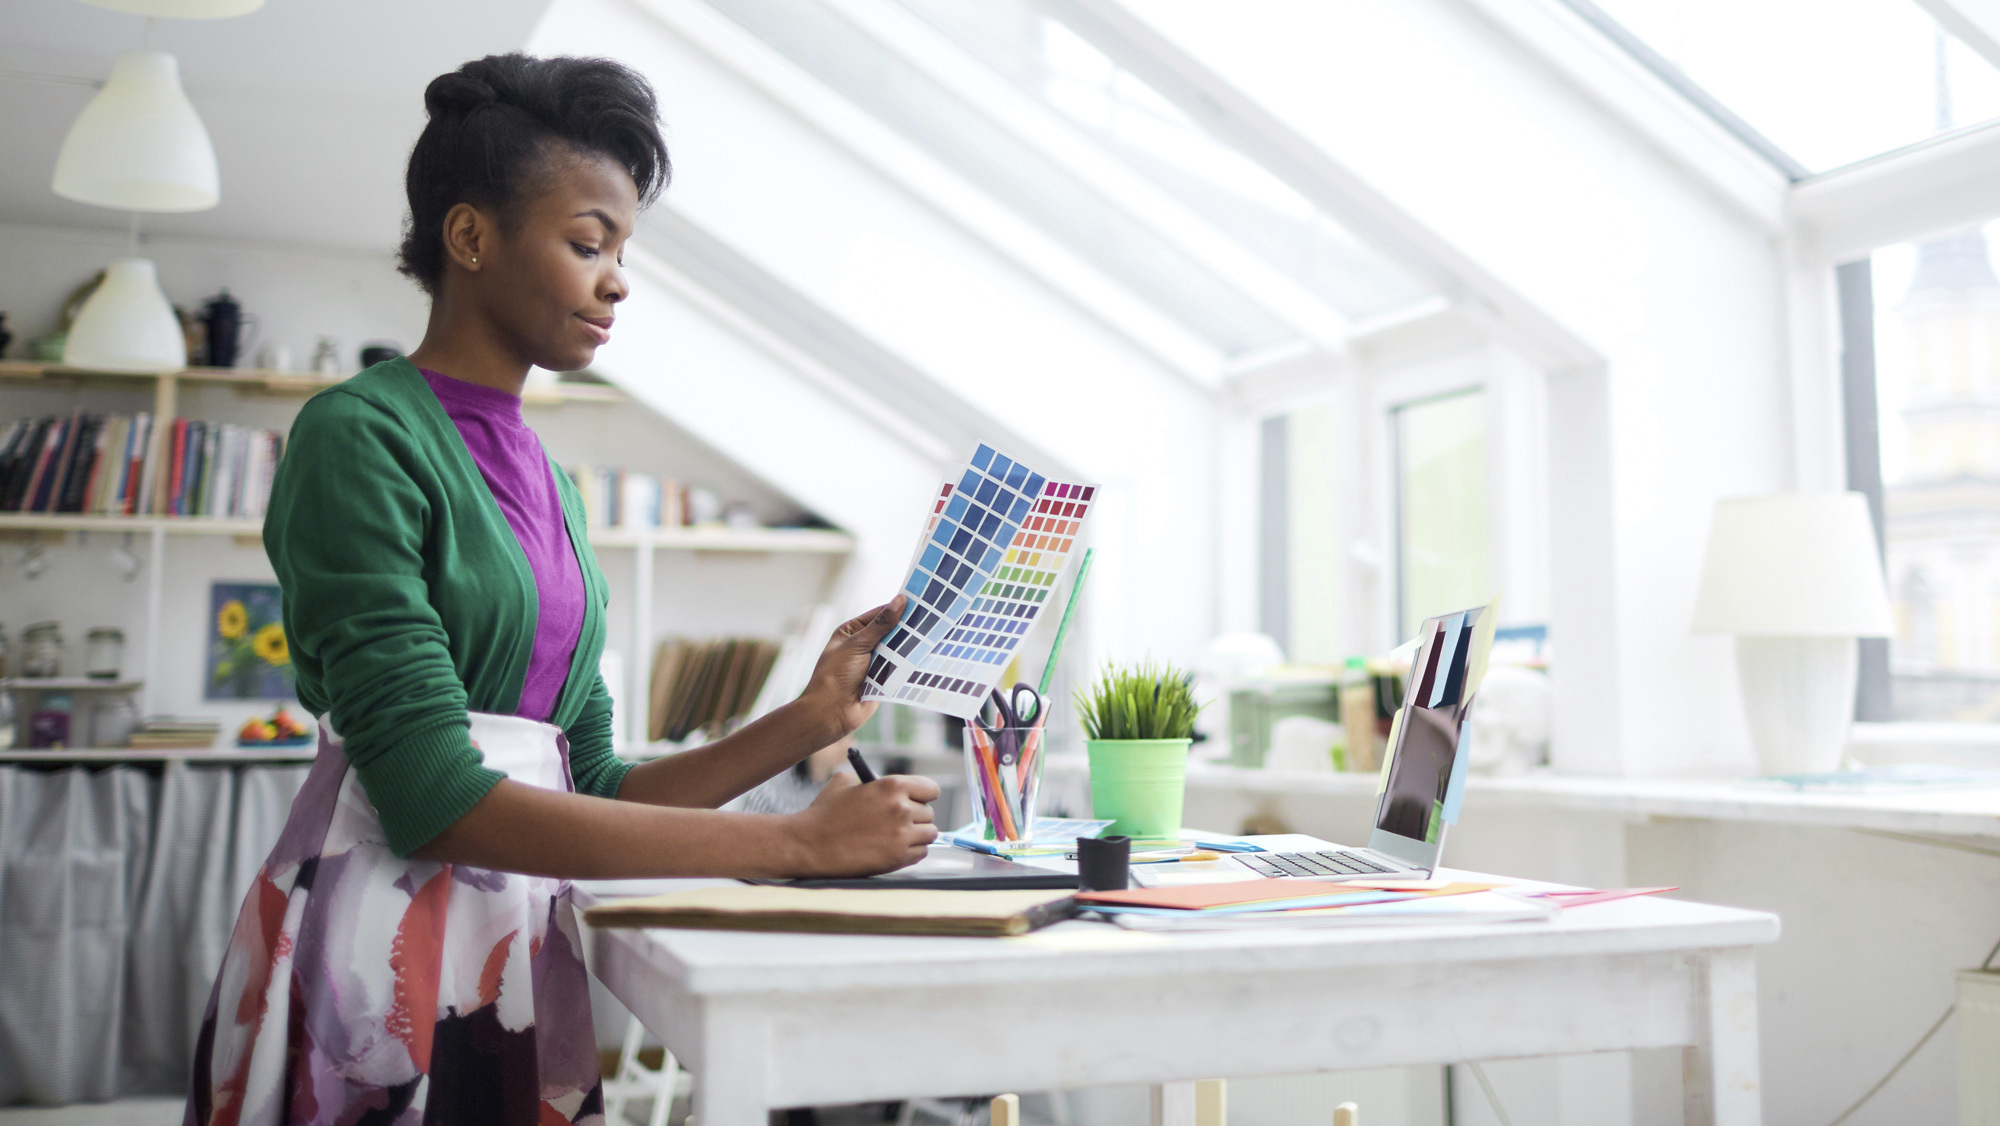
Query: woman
column 408, row 952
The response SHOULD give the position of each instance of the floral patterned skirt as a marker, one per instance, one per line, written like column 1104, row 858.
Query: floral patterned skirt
column 361, row 988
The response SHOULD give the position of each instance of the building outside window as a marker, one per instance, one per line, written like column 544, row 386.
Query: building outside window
column 1937, row 320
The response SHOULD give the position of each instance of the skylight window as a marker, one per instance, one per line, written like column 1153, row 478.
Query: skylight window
column 1014, row 172
column 1234, row 193
column 1826, row 85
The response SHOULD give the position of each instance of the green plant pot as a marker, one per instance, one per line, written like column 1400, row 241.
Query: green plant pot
column 1139, row 784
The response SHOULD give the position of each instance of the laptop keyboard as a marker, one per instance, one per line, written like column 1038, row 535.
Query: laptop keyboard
column 1312, row 864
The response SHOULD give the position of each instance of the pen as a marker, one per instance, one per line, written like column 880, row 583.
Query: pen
column 1227, row 846
column 860, row 766
column 974, row 846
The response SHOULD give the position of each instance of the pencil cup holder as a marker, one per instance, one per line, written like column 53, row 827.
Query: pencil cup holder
column 1003, row 773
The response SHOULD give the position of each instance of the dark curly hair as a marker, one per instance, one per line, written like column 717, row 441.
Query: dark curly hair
column 496, row 122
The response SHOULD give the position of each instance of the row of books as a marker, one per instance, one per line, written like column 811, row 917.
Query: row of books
column 176, row 733
column 615, row 498
column 126, row 465
column 706, row 685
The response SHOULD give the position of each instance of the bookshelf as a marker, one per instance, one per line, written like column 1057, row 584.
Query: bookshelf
column 166, row 385
column 813, row 541
column 164, row 388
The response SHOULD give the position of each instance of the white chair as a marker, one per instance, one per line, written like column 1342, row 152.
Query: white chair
column 635, row 1081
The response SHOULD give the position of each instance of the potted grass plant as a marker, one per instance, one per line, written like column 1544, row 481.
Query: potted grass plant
column 1139, row 722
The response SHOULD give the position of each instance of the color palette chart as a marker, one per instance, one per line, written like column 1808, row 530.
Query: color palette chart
column 995, row 544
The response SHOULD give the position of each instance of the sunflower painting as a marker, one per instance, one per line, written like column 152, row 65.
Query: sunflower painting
column 247, row 655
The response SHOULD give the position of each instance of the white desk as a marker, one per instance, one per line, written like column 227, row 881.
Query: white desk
column 775, row 1020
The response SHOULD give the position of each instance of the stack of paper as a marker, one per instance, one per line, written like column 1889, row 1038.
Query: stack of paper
column 1312, row 903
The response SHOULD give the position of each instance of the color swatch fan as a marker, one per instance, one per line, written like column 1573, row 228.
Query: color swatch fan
column 997, row 540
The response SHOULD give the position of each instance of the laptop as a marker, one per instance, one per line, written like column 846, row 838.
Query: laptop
column 1425, row 742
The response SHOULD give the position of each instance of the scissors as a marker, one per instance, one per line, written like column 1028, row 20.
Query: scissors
column 1017, row 735
column 1020, row 708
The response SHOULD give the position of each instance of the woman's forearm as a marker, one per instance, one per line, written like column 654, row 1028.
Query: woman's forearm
column 850, row 830
column 707, row 776
column 522, row 828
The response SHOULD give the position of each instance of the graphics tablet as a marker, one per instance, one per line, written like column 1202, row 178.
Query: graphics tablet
column 948, row 867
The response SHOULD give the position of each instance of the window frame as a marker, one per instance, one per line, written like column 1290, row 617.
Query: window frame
column 1394, row 396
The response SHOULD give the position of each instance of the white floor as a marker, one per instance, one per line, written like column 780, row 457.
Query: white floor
column 125, row 1112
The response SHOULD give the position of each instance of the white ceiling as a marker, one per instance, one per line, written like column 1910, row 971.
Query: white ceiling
column 312, row 105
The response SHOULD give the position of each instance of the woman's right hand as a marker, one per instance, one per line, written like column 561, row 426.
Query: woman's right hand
column 857, row 830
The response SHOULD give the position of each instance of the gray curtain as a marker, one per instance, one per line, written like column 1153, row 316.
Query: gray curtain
column 118, row 890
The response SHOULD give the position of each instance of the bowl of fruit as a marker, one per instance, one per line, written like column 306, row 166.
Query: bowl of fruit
column 280, row 729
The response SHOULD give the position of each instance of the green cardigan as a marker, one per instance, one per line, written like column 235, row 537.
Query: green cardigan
column 408, row 601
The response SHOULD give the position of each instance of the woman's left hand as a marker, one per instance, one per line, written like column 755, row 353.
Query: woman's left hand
column 836, row 679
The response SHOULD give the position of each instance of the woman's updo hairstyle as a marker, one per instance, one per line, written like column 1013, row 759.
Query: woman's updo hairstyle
column 496, row 122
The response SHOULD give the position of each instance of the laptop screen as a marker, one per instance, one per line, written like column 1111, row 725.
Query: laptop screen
column 1431, row 731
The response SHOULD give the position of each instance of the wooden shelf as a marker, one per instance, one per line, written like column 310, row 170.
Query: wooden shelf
column 68, row 684
column 809, row 541
column 278, row 382
column 178, row 525
column 111, row 756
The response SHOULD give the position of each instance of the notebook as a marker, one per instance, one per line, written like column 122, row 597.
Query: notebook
column 840, row 910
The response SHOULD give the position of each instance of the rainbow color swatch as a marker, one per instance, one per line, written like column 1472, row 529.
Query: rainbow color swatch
column 995, row 544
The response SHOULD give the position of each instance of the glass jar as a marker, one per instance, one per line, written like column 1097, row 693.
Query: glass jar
column 113, row 715
column 103, row 653
column 41, row 650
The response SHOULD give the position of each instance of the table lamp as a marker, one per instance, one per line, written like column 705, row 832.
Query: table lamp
column 1796, row 579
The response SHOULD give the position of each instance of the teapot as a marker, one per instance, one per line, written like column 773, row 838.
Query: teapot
column 225, row 323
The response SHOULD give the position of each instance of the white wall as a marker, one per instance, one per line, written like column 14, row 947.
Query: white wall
column 1571, row 209
column 854, row 242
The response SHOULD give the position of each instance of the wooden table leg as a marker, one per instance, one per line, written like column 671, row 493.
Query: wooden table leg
column 1719, row 1082
column 1197, row 1102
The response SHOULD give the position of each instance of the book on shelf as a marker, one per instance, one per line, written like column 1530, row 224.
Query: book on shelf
column 617, row 498
column 125, row 465
column 705, row 685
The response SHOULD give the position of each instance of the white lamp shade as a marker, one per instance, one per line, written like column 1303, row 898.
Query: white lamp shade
column 1800, row 565
column 181, row 9
column 139, row 145
column 127, row 325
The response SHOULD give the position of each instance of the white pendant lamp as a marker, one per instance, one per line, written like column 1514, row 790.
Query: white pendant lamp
column 1796, row 579
column 139, row 145
column 181, row 9
column 127, row 325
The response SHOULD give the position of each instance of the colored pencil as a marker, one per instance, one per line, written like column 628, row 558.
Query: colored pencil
column 989, row 775
column 1000, row 801
column 1062, row 631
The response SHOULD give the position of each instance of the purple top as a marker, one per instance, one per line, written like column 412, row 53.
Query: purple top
column 510, row 457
